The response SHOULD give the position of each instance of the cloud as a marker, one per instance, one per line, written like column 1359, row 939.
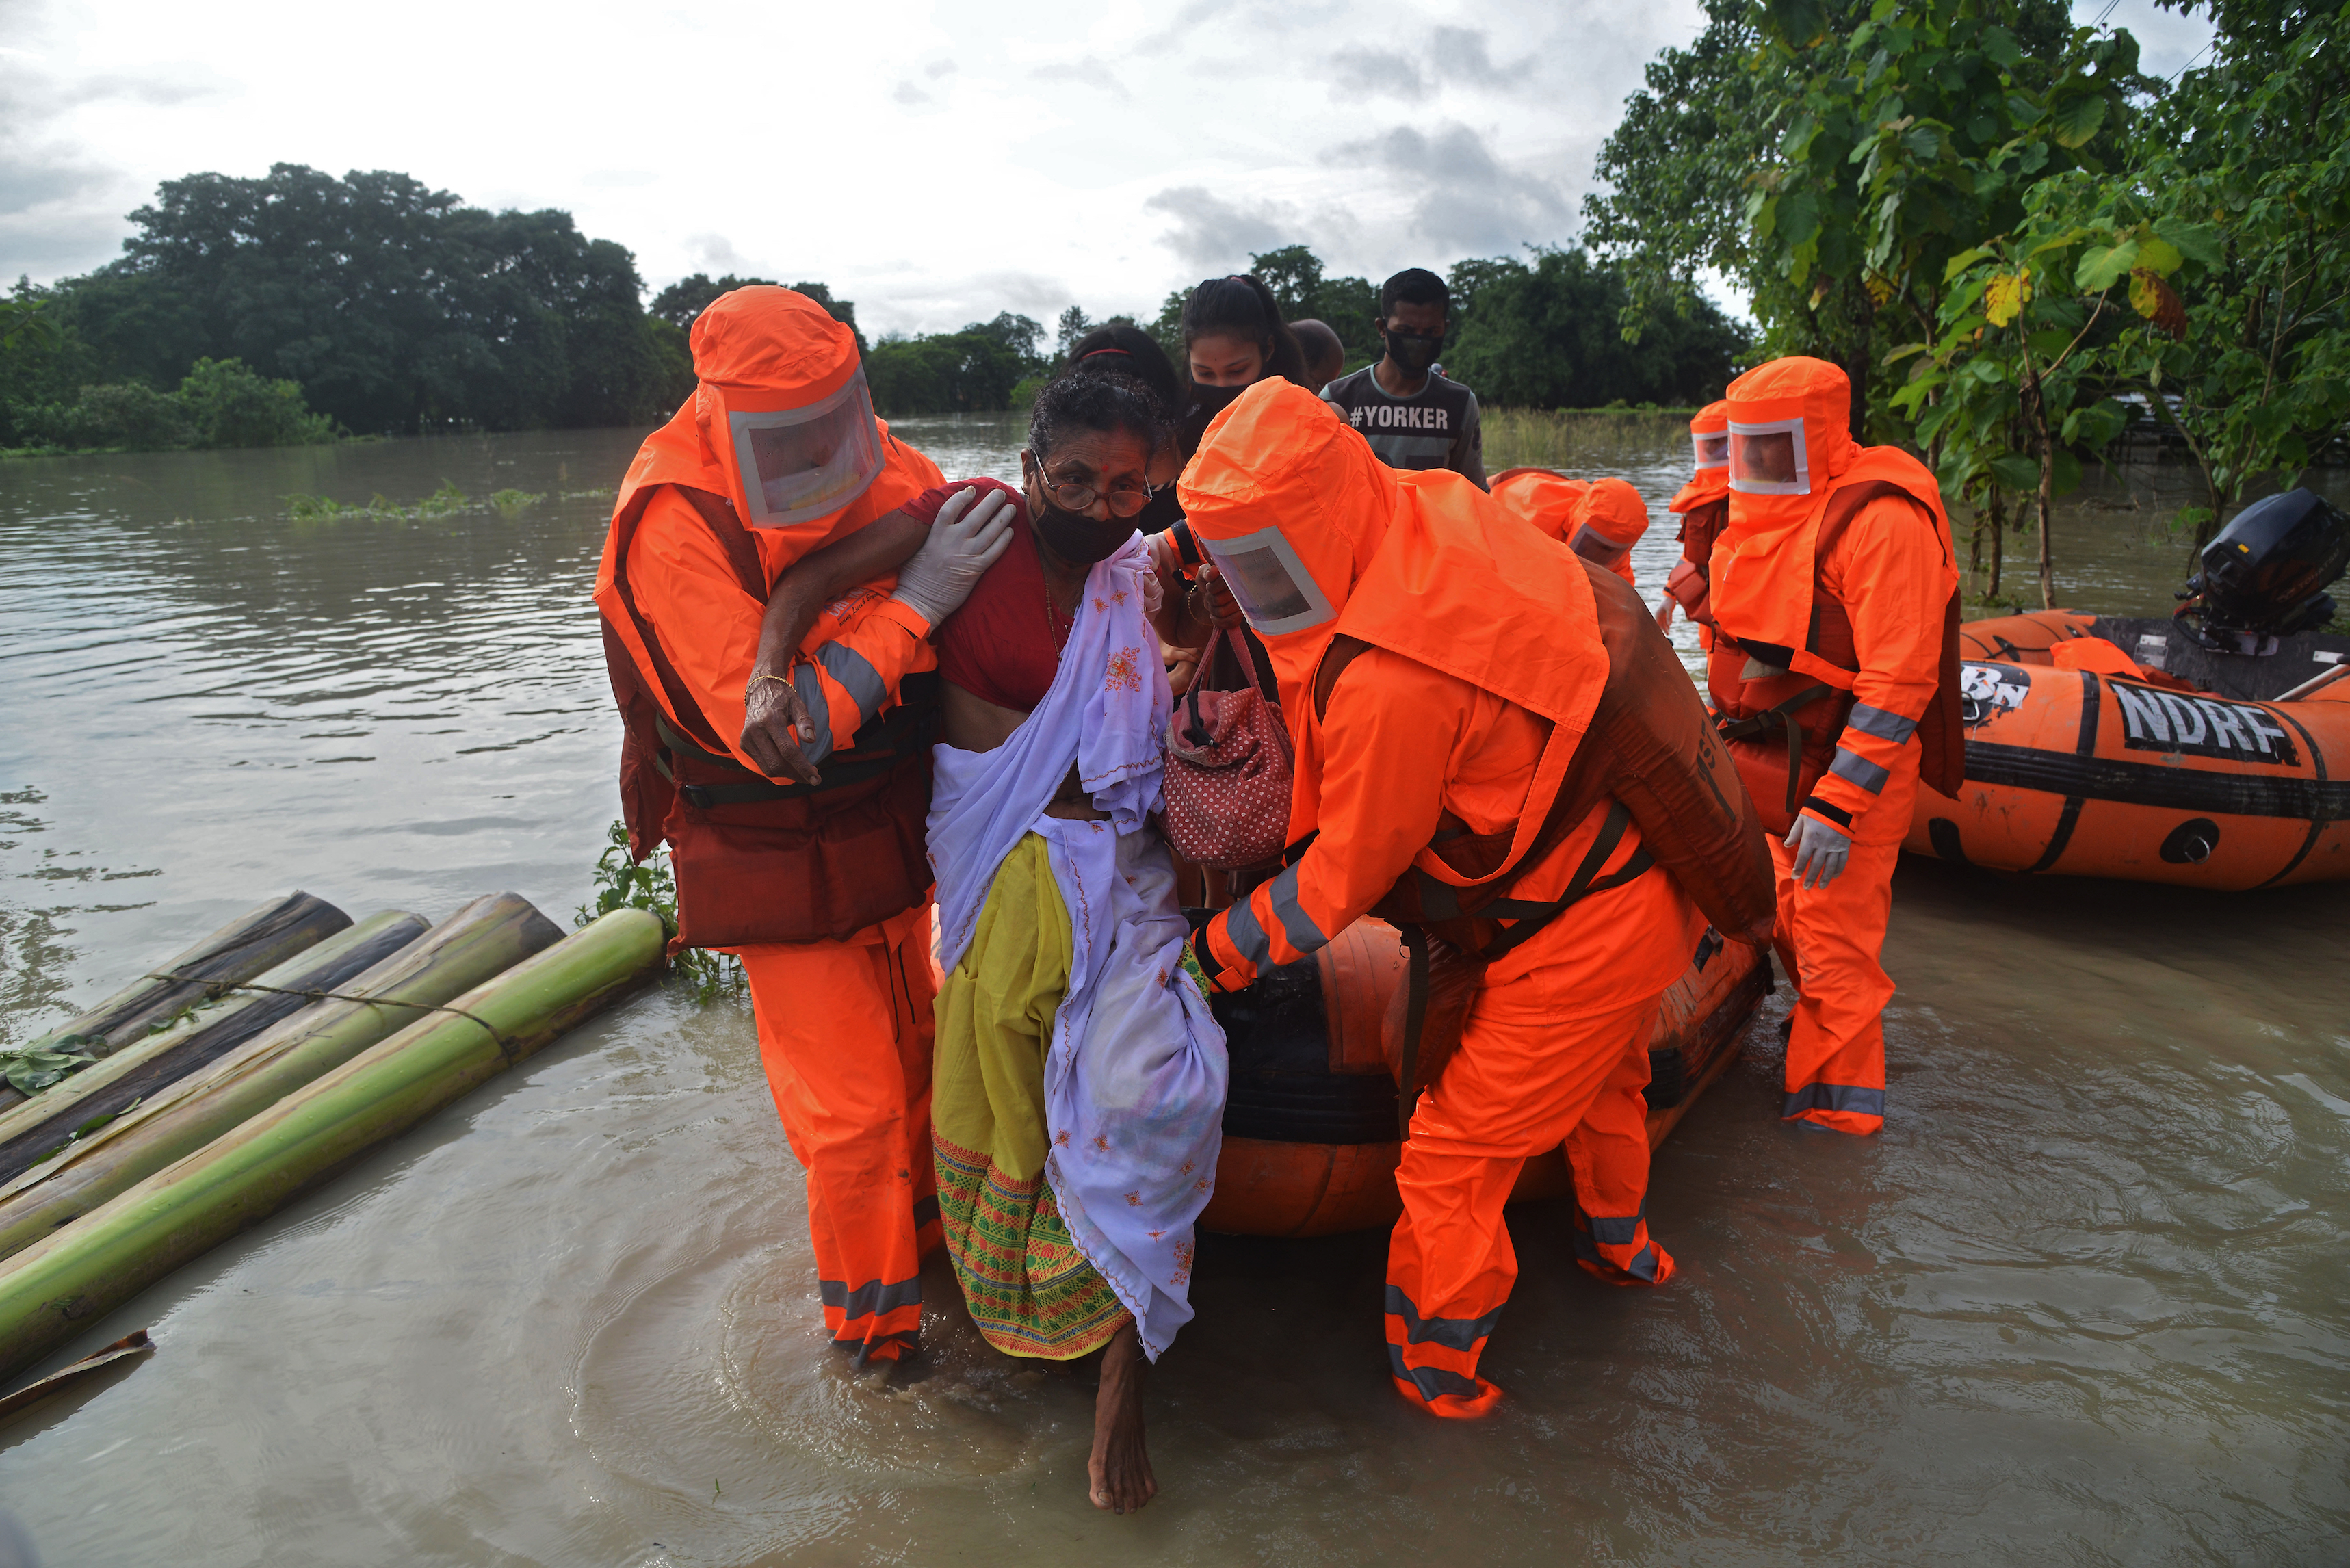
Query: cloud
column 1462, row 195
column 1210, row 231
column 716, row 252
column 1456, row 58
column 616, row 179
column 910, row 94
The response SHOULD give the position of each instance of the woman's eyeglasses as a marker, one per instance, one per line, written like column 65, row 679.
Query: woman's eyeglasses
column 1074, row 496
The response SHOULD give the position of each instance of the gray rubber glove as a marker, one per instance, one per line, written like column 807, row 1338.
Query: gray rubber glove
column 973, row 529
column 1820, row 851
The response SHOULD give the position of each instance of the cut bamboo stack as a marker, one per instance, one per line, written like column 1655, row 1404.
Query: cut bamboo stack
column 212, row 1125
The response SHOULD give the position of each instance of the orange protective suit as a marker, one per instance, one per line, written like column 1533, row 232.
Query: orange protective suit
column 1607, row 522
column 1891, row 577
column 1702, row 504
column 1541, row 496
column 1482, row 670
column 844, row 1025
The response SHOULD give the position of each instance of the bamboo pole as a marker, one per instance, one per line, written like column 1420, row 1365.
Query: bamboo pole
column 480, row 942
column 136, row 1070
column 180, row 1212
column 263, row 937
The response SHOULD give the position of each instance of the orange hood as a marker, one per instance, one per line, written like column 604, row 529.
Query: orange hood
column 1709, row 445
column 1542, row 496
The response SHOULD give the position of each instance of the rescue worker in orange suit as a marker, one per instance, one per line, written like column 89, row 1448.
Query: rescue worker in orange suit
column 778, row 739
column 1703, row 506
column 1600, row 520
column 1832, row 593
column 1462, row 663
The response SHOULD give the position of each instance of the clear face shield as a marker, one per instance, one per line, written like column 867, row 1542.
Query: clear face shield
column 799, row 464
column 1597, row 548
column 1712, row 448
column 1769, row 458
column 1276, row 591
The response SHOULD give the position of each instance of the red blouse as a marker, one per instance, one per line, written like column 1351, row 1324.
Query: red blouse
column 1004, row 646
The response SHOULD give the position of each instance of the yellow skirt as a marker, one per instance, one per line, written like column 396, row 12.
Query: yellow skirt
column 1029, row 1289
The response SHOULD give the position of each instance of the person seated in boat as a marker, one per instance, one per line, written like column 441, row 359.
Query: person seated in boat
column 1079, row 1077
column 1414, row 416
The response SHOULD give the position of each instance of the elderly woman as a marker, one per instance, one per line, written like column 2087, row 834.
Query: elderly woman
column 1078, row 1084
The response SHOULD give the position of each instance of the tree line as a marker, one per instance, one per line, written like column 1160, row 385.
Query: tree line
column 300, row 306
column 2018, row 244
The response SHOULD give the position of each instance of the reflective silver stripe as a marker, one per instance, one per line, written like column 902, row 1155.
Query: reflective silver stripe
column 1833, row 1097
column 857, row 677
column 1616, row 1232
column 1643, row 1266
column 1850, row 765
column 871, row 1299
column 1884, row 725
column 1453, row 1333
column 1295, row 923
column 1432, row 1382
column 811, row 690
column 1240, row 924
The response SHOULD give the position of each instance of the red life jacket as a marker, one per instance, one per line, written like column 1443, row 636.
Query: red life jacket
column 1783, row 724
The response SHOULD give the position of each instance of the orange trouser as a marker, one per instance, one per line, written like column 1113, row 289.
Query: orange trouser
column 845, row 1035
column 1523, row 1081
column 1829, row 940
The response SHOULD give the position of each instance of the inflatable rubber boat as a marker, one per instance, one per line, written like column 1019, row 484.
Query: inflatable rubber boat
column 2207, row 749
column 1310, row 1144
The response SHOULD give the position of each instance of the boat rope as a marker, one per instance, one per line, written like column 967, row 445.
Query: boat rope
column 214, row 988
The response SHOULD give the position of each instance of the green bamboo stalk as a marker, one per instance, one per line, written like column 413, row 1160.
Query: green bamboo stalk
column 180, row 1212
column 480, row 942
column 42, row 1126
column 263, row 937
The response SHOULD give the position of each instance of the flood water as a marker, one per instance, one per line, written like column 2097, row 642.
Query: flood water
column 2083, row 1301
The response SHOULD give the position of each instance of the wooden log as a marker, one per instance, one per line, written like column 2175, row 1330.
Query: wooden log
column 137, row 1070
column 178, row 1212
column 262, row 938
column 480, row 942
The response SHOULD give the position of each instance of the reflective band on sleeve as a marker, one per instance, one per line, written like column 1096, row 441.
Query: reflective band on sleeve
column 1453, row 1333
column 810, row 686
column 1833, row 1097
column 857, row 677
column 1295, row 923
column 870, row 1299
column 1248, row 937
column 1852, row 767
column 1432, row 1382
column 1884, row 725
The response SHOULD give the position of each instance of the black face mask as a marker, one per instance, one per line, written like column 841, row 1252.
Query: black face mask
column 1207, row 402
column 1162, row 512
column 1412, row 352
column 1078, row 539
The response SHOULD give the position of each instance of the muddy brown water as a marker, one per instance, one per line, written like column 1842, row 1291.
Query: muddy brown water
column 2082, row 1301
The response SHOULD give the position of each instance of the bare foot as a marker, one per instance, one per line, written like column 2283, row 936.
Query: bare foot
column 1118, row 1469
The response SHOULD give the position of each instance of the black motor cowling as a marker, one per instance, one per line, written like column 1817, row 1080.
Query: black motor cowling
column 2266, row 574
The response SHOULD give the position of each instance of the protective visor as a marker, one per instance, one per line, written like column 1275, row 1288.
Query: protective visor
column 799, row 464
column 1276, row 592
column 1713, row 449
column 1769, row 458
column 1596, row 547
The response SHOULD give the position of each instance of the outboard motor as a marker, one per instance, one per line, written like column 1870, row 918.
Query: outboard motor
column 2266, row 574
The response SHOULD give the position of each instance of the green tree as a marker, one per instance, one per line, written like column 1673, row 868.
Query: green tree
column 689, row 296
column 1548, row 335
column 1830, row 158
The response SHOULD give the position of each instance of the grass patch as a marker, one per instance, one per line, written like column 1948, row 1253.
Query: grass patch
column 1573, row 438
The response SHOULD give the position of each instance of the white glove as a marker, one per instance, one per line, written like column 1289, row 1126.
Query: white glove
column 963, row 543
column 1820, row 851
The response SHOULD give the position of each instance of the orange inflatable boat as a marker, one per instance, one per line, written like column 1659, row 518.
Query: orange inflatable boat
column 1310, row 1144
column 2142, row 776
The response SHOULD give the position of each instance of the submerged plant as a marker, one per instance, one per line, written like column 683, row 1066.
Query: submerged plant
column 509, row 502
column 622, row 883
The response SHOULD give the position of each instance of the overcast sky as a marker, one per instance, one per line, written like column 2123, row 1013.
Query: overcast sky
column 934, row 164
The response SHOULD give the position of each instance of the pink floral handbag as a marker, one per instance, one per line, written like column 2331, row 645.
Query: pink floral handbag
column 1228, row 771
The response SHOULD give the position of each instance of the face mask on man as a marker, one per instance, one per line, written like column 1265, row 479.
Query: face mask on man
column 1414, row 352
